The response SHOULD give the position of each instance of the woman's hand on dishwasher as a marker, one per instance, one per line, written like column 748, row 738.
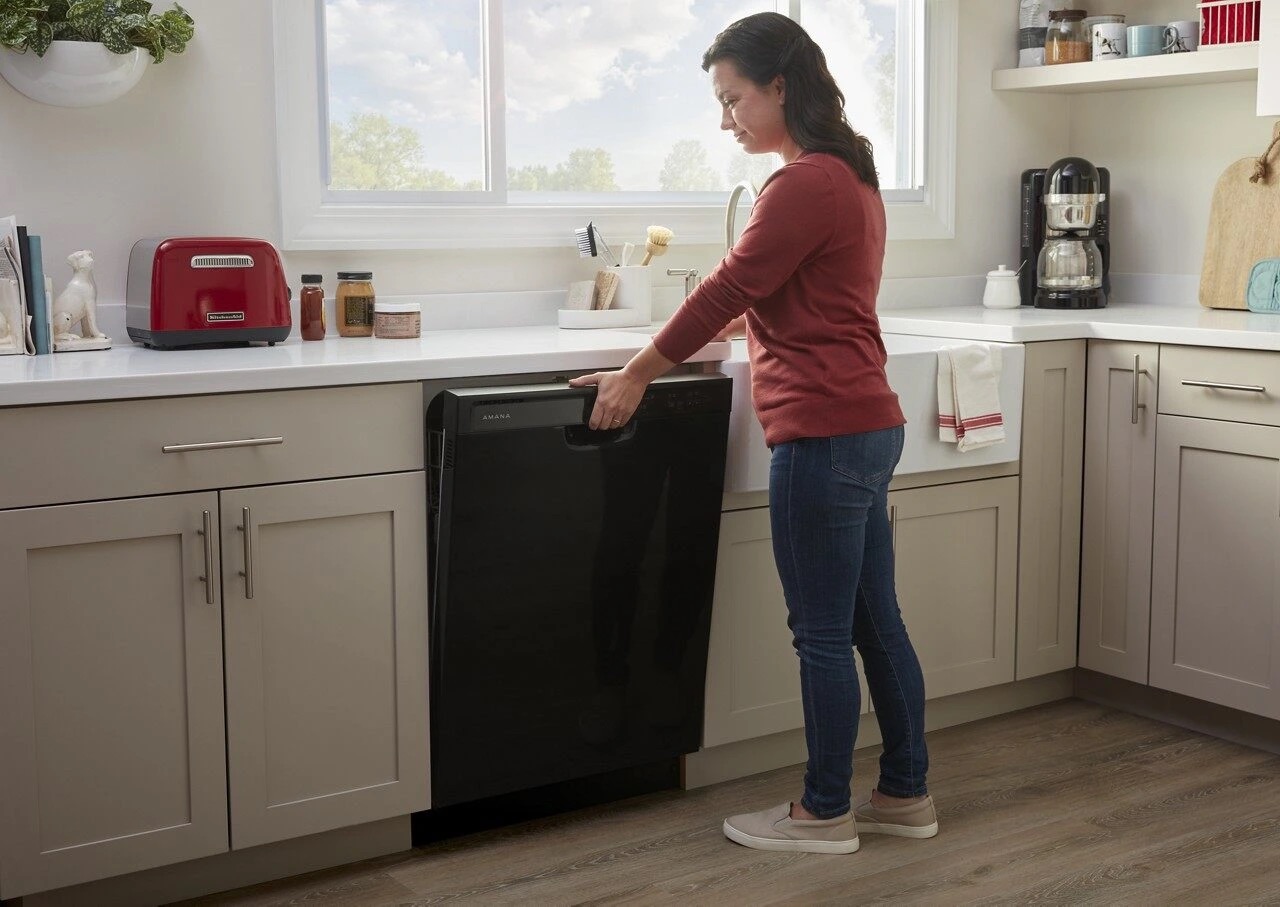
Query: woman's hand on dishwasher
column 617, row 396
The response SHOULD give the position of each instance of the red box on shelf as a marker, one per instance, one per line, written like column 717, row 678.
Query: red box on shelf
column 1229, row 21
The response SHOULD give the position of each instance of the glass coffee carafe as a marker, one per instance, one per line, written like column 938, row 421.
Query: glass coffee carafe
column 1069, row 268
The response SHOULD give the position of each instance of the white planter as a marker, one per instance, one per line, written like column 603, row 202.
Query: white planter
column 73, row 73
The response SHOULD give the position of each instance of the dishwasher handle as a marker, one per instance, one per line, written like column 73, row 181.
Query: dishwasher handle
column 580, row 437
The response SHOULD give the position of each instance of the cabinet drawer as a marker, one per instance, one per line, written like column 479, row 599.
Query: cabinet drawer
column 95, row 451
column 1231, row 385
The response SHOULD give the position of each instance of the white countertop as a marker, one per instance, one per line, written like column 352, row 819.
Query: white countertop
column 134, row 371
column 128, row 370
column 1186, row 324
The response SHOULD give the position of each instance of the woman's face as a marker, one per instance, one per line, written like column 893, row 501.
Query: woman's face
column 753, row 113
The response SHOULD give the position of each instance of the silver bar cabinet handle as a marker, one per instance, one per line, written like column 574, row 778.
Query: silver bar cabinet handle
column 1134, row 404
column 207, row 579
column 1218, row 385
column 221, row 445
column 893, row 527
column 247, row 529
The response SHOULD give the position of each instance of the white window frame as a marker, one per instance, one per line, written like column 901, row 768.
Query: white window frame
column 310, row 220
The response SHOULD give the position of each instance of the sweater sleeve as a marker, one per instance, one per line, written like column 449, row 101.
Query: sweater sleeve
column 792, row 219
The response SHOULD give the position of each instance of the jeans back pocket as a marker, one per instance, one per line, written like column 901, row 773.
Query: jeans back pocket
column 868, row 458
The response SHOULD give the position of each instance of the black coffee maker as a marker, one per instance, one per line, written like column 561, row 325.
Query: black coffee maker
column 1034, row 221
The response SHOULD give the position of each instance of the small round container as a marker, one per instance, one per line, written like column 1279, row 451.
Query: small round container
column 355, row 300
column 397, row 320
column 1002, row 291
column 1065, row 41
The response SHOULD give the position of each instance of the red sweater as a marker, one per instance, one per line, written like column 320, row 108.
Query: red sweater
column 806, row 271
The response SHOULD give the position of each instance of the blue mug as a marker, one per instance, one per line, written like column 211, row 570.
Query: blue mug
column 1150, row 40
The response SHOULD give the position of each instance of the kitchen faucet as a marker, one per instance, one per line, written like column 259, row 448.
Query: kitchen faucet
column 690, row 276
column 731, row 210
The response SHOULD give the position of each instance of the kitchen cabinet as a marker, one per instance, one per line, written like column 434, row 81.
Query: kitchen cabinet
column 111, row 707
column 1215, row 597
column 1119, row 488
column 325, row 660
column 1269, row 61
column 120, row 753
column 957, row 573
column 1049, row 507
column 753, row 676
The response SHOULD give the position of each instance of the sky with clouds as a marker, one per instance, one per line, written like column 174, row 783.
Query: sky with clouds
column 623, row 75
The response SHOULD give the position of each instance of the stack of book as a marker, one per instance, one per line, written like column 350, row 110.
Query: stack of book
column 26, row 294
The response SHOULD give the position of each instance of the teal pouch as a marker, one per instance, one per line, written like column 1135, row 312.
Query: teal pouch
column 1263, row 293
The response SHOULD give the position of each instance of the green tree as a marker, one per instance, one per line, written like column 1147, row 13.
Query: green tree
column 535, row 178
column 753, row 167
column 369, row 152
column 585, row 170
column 686, row 169
column 886, row 82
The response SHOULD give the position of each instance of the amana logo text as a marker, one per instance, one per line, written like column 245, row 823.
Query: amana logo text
column 489, row 417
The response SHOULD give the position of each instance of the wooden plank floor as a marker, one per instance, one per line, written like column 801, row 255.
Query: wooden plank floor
column 1066, row 803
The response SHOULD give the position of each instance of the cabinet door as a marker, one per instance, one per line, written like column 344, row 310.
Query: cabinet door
column 1119, row 485
column 110, row 691
column 957, row 575
column 1215, row 593
column 753, row 675
column 1049, row 509
column 326, row 653
column 1269, row 61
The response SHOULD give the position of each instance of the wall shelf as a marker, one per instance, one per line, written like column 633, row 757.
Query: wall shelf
column 1238, row 63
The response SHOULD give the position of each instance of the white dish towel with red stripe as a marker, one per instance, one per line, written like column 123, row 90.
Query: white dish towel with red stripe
column 969, row 414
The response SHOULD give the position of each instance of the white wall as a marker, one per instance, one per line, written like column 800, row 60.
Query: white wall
column 191, row 151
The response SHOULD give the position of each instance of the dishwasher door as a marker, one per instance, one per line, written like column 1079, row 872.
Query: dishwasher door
column 572, row 581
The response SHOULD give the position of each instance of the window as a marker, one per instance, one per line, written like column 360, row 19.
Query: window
column 437, row 123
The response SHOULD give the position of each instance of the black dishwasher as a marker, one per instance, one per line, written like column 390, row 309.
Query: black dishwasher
column 572, row 576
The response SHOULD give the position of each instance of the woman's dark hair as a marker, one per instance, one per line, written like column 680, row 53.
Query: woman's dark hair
column 767, row 45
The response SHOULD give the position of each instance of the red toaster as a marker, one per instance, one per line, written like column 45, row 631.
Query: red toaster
column 195, row 291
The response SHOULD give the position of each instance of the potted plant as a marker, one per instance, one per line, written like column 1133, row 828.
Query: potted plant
column 77, row 53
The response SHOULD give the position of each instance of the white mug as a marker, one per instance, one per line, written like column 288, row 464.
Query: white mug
column 1182, row 36
column 1109, row 42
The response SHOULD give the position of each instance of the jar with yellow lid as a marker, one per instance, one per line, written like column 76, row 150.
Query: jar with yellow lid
column 354, row 302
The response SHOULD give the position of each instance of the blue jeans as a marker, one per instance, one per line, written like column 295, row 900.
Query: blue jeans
column 828, row 503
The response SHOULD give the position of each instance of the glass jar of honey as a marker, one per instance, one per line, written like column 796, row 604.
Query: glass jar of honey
column 354, row 303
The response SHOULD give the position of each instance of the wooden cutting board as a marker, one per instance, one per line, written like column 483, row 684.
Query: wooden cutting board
column 1244, row 227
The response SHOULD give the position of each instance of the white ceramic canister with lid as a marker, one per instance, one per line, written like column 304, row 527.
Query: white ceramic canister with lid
column 1002, row 289
column 397, row 320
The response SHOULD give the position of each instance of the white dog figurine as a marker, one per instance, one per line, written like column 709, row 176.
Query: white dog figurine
column 76, row 308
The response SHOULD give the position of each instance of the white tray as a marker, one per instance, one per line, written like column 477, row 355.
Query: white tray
column 579, row 319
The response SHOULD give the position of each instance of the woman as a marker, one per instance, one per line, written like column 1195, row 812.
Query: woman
column 806, row 272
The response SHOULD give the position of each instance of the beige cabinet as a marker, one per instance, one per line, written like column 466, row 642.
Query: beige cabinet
column 117, row 750
column 1049, row 507
column 1119, row 488
column 1215, row 598
column 326, row 651
column 957, row 573
column 753, row 675
column 112, row 757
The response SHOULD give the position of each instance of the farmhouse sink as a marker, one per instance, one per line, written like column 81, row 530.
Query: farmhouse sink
column 913, row 374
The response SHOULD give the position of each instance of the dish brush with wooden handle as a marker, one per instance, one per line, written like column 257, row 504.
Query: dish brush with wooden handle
column 656, row 243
